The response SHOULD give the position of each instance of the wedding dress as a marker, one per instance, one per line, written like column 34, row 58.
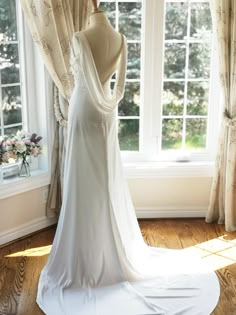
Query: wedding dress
column 99, row 263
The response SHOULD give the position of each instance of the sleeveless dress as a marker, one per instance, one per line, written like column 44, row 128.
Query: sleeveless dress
column 99, row 263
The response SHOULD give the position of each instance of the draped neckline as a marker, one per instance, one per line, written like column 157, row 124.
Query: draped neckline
column 87, row 46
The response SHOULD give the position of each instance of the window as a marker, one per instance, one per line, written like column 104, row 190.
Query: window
column 126, row 16
column 10, row 76
column 187, row 61
column 24, row 97
column 171, row 79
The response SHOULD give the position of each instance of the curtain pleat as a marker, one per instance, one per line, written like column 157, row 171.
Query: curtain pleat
column 222, row 206
column 54, row 195
column 52, row 24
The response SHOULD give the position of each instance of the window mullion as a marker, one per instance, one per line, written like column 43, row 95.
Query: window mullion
column 186, row 79
column 22, row 37
column 117, row 15
column 152, row 77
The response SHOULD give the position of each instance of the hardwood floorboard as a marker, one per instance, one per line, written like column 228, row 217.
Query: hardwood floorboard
column 22, row 261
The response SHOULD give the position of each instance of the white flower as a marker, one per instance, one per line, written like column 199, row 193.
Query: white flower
column 21, row 134
column 9, row 147
column 20, row 146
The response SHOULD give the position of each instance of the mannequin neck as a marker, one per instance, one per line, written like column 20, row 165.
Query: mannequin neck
column 99, row 17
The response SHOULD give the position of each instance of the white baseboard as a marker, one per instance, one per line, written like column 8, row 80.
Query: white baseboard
column 40, row 223
column 183, row 212
column 25, row 229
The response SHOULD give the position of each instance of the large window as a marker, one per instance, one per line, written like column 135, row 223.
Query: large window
column 167, row 107
column 10, row 79
column 187, row 63
column 23, row 97
column 170, row 85
column 125, row 16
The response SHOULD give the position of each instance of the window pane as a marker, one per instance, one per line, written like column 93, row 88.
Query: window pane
column 129, row 134
column 11, row 105
column 9, row 55
column 10, row 102
column 198, row 95
column 130, row 19
column 188, row 28
column 199, row 60
column 196, row 130
column 8, row 24
column 133, row 66
column 174, row 60
column 172, row 133
column 129, row 106
column 127, row 18
column 10, row 75
column 176, row 20
column 12, row 130
column 173, row 98
column 110, row 9
column 201, row 23
column 9, row 64
column 12, row 115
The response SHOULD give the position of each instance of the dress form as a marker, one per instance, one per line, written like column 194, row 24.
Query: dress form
column 105, row 43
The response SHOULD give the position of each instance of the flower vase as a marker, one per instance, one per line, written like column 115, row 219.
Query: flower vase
column 24, row 168
column 1, row 178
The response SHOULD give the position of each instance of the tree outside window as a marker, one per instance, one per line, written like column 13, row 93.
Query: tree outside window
column 10, row 86
column 186, row 72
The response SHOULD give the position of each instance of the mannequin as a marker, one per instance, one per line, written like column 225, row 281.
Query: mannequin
column 105, row 44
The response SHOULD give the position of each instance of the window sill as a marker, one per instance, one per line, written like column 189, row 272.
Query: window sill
column 18, row 185
column 168, row 169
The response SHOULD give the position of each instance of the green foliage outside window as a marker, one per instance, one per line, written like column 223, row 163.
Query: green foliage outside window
column 185, row 88
column 186, row 75
column 9, row 69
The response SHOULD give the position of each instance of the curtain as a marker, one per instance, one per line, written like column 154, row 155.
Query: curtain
column 222, row 206
column 52, row 23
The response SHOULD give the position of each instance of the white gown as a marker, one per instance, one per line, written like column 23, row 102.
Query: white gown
column 99, row 263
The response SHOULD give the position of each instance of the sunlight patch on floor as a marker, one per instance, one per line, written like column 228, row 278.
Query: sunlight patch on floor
column 216, row 253
column 37, row 251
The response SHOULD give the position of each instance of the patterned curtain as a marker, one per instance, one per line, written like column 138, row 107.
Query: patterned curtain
column 222, row 205
column 52, row 23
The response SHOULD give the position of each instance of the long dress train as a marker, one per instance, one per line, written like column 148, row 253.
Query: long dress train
column 99, row 263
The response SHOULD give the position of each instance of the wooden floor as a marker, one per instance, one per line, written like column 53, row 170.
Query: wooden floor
column 22, row 261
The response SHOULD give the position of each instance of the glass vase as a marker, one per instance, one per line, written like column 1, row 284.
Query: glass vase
column 1, row 177
column 24, row 168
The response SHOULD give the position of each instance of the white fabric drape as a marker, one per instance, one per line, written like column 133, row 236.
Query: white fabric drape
column 222, row 205
column 52, row 24
column 99, row 263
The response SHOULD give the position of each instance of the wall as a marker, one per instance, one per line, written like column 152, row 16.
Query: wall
column 168, row 197
column 152, row 197
column 22, row 214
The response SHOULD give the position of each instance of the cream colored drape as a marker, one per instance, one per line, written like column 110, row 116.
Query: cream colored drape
column 52, row 23
column 222, row 205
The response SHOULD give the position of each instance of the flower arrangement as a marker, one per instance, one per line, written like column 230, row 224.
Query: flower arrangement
column 23, row 144
column 19, row 146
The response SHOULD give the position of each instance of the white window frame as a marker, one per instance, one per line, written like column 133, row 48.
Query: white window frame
column 36, row 112
column 151, row 95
